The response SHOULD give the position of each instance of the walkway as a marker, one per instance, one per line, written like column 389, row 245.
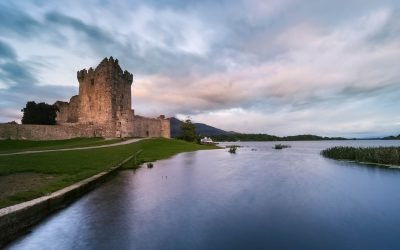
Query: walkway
column 71, row 149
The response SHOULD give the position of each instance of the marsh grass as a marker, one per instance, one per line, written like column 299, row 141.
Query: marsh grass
column 376, row 155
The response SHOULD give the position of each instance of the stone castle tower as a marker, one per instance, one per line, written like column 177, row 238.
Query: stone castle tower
column 105, row 96
column 105, row 93
column 105, row 101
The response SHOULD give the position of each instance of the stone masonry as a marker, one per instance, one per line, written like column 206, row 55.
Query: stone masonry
column 105, row 101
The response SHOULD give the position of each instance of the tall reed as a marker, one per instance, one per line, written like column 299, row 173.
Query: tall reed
column 379, row 155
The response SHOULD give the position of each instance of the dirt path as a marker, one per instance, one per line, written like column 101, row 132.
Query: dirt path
column 70, row 149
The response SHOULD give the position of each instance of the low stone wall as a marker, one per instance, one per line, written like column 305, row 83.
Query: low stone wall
column 133, row 126
column 150, row 127
column 165, row 128
column 16, row 220
column 46, row 132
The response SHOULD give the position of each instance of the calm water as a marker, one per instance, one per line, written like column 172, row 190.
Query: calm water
column 260, row 198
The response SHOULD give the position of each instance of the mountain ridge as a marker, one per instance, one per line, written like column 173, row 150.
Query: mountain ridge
column 201, row 129
column 217, row 134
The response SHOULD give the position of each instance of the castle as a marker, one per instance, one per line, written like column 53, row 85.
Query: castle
column 105, row 100
column 103, row 108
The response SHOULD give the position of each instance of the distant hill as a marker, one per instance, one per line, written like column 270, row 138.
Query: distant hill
column 392, row 137
column 201, row 129
column 221, row 135
column 266, row 137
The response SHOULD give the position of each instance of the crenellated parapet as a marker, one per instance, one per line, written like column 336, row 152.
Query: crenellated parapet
column 128, row 76
column 81, row 74
column 85, row 74
column 107, row 65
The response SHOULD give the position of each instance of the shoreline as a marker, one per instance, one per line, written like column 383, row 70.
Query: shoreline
column 389, row 166
column 60, row 169
column 15, row 220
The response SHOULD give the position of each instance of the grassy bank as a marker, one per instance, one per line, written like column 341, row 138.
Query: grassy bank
column 60, row 169
column 377, row 155
column 11, row 146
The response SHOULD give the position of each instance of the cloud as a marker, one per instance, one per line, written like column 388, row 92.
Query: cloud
column 19, row 84
column 16, row 22
column 279, row 65
column 94, row 34
column 6, row 51
column 12, row 71
column 8, row 115
column 326, row 68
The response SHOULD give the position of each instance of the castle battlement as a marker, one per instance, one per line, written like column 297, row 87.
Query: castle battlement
column 106, row 65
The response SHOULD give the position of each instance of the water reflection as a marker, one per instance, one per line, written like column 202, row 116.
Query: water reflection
column 291, row 198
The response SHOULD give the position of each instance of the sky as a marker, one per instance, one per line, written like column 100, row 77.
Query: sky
column 281, row 67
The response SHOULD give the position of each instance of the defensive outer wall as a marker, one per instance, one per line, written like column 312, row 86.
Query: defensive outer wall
column 103, row 108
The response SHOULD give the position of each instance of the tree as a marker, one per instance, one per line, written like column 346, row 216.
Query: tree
column 39, row 113
column 188, row 131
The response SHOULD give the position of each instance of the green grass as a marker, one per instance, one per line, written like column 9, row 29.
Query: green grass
column 11, row 146
column 376, row 155
column 72, row 166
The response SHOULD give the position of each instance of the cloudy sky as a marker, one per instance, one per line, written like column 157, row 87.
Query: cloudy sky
column 281, row 67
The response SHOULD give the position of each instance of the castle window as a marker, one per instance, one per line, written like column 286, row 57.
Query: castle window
column 92, row 82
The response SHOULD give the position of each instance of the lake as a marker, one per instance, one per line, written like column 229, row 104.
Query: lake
column 258, row 198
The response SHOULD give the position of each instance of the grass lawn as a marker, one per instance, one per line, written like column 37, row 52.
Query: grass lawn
column 68, row 167
column 11, row 146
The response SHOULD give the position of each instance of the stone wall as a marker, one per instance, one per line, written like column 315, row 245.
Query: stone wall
column 165, row 128
column 63, row 111
column 124, row 126
column 104, row 92
column 151, row 127
column 68, row 112
column 47, row 132
column 137, row 127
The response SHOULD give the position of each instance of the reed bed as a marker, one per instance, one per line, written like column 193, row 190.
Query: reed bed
column 377, row 155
